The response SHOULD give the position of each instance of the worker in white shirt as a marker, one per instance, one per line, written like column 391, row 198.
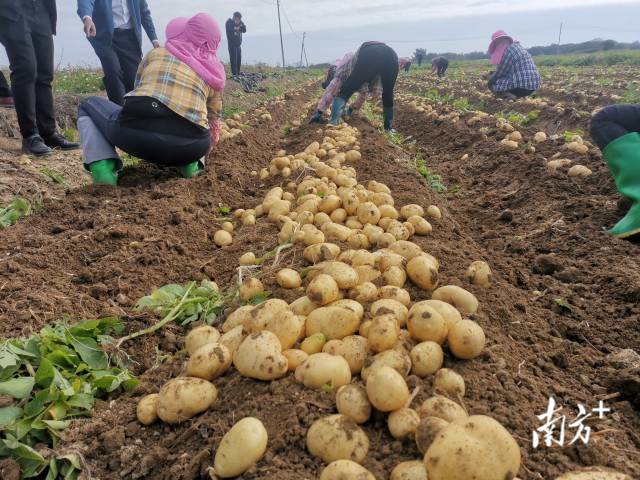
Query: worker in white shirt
column 114, row 29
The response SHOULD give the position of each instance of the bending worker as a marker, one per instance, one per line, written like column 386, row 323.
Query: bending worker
column 517, row 75
column 373, row 68
column 172, row 117
column 439, row 65
column 616, row 131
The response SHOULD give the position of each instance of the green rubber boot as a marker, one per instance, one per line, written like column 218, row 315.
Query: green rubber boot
column 104, row 172
column 190, row 170
column 623, row 157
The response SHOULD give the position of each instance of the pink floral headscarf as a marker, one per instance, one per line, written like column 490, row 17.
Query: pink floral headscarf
column 500, row 41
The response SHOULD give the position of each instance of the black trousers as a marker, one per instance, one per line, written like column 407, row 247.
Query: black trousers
column 147, row 129
column 373, row 61
column 29, row 46
column 442, row 68
column 521, row 92
column 5, row 91
column 235, row 56
column 613, row 122
column 120, row 64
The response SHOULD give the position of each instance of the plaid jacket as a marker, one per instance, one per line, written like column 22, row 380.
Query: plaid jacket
column 516, row 70
column 173, row 83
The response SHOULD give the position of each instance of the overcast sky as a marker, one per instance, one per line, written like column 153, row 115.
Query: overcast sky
column 336, row 26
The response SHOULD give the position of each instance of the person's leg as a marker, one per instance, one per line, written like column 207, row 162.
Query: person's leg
column 232, row 60
column 42, row 39
column 520, row 92
column 239, row 60
column 129, row 53
column 112, row 78
column 5, row 91
column 613, row 122
column 388, row 77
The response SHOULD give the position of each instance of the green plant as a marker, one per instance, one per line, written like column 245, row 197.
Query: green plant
column 434, row 180
column 129, row 160
column 72, row 135
column 569, row 134
column 224, row 209
column 13, row 212
column 50, row 379
column 78, row 81
column 53, row 174
column 631, row 95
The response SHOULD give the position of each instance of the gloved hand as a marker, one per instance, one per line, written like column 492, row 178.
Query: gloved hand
column 316, row 117
column 388, row 118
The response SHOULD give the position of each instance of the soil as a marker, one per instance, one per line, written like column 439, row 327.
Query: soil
column 563, row 306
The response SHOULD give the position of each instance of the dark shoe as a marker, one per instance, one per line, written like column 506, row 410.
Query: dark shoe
column 34, row 145
column 6, row 102
column 57, row 140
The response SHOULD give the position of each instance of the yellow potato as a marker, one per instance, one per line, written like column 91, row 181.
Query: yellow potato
column 423, row 272
column 466, row 339
column 345, row 470
column 260, row 315
column 287, row 326
column 337, row 232
column 294, row 358
column 209, row 362
column 388, row 211
column 352, row 401
column 323, row 289
column 411, row 210
column 200, row 336
column 426, row 358
column 353, row 348
column 383, row 333
column 233, row 338
column 403, row 422
column 240, row 448
column 420, row 225
column 448, row 311
column 321, row 252
column 260, row 356
column 288, row 278
column 413, row 470
column 247, row 259
column 449, row 382
column 222, row 238
column 442, row 407
column 147, row 409
column 250, row 288
column 394, row 307
column 368, row 212
column 323, row 370
column 479, row 273
column 434, row 212
column 391, row 259
column 333, row 321
column 399, row 360
column 594, row 473
column 386, row 389
column 184, row 397
column 313, row 343
column 426, row 324
column 463, row 300
column 344, row 275
column 427, row 430
column 406, row 249
column 394, row 293
column 337, row 437
column 227, row 227
column 367, row 273
column 364, row 293
column 303, row 306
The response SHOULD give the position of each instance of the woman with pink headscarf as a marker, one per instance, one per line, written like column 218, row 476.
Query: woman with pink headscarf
column 172, row 117
column 516, row 75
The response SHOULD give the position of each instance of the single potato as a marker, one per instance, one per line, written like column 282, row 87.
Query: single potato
column 184, row 397
column 337, row 437
column 240, row 448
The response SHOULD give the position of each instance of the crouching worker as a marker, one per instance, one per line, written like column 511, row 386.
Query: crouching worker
column 516, row 75
column 616, row 131
column 439, row 65
column 172, row 117
column 373, row 68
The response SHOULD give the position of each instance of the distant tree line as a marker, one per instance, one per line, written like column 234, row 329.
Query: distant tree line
column 592, row 46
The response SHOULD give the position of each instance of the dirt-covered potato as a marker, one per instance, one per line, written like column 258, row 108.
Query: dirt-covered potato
column 352, row 401
column 368, row 212
column 344, row 275
column 294, row 358
column 466, row 339
column 389, row 211
column 479, row 273
column 251, row 287
column 147, row 408
column 345, row 470
column 420, row 225
column 184, row 397
column 390, row 306
column 303, row 306
column 423, row 272
column 261, row 315
column 287, row 326
column 323, row 289
column 364, row 293
column 403, row 422
column 200, row 336
column 394, row 293
column 323, row 370
column 233, row 338
column 426, row 358
column 353, row 349
column 248, row 258
column 395, row 276
column 426, row 324
column 442, row 407
column 337, row 437
column 406, row 249
column 476, row 447
column 209, row 362
column 260, row 356
column 240, row 316
column 334, row 322
column 449, row 382
column 387, row 389
column 434, row 212
column 288, row 278
column 463, row 300
column 411, row 210
column 329, row 204
column 450, row 314
column 367, row 273
column 383, row 333
column 321, row 252
column 240, row 448
column 427, row 430
column 412, row 470
column 222, row 238
column 594, row 473
column 397, row 359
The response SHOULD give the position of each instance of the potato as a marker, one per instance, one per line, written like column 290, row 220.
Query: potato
column 483, row 450
column 260, row 315
column 344, row 275
column 200, row 336
column 420, row 225
column 240, row 448
column 323, row 289
column 251, row 287
column 240, row 316
column 579, row 171
column 222, row 238
column 368, row 212
column 442, row 407
column 339, row 215
column 367, row 273
column 466, row 339
column 427, row 430
column 594, row 473
column 403, row 422
column 313, row 343
column 449, row 382
column 303, row 306
column 364, row 293
column 423, row 272
column 383, row 333
column 335, row 322
column 337, row 437
column 209, row 362
column 448, row 311
column 390, row 259
column 353, row 349
column 147, row 409
column 260, row 356
column 394, row 307
column 388, row 211
column 184, row 397
column 386, row 389
column 323, row 370
column 411, row 210
column 345, row 470
column 227, row 227
column 337, row 232
column 394, row 293
column 287, row 326
column 294, row 358
column 247, row 259
column 350, row 305
column 479, row 273
column 330, row 203
column 288, row 278
column 463, row 300
column 426, row 324
column 386, row 240
column 233, row 338
column 353, row 156
column 382, row 198
column 426, row 358
column 321, row 252
column 540, row 137
column 434, row 212
column 413, row 470
column 310, row 237
column 352, row 401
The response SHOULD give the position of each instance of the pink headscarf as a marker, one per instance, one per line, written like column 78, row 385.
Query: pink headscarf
column 498, row 47
column 194, row 41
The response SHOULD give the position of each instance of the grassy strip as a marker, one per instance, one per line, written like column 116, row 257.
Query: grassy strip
column 13, row 212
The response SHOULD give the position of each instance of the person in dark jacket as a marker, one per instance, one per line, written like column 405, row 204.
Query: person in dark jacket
column 616, row 131
column 26, row 31
column 114, row 29
column 6, row 100
column 439, row 65
column 235, row 28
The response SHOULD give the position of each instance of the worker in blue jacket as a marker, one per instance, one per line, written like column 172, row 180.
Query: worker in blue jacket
column 114, row 29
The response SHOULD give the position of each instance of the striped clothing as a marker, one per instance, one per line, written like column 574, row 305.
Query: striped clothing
column 173, row 83
column 516, row 70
